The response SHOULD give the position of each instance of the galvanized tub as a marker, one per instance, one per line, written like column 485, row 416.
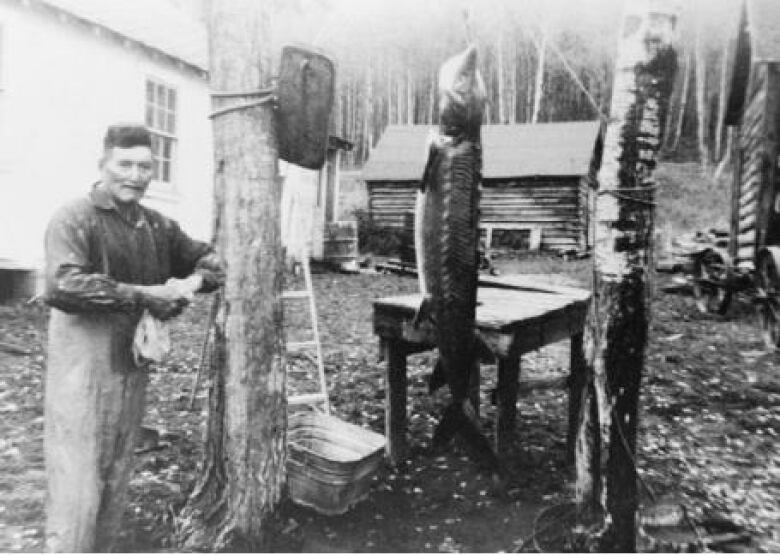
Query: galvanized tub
column 330, row 462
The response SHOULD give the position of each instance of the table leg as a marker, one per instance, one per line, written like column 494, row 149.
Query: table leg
column 577, row 382
column 395, row 401
column 474, row 387
column 506, row 398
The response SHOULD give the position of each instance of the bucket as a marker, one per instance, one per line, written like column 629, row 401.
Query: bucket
column 330, row 462
column 340, row 244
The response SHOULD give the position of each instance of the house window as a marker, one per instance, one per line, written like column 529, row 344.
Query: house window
column 161, row 121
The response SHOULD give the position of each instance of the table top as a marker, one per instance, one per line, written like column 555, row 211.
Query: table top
column 527, row 307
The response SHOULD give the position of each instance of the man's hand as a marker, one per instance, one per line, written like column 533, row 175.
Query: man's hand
column 162, row 301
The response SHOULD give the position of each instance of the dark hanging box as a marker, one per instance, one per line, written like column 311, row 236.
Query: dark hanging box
column 305, row 93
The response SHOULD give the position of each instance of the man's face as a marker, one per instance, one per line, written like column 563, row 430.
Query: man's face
column 127, row 173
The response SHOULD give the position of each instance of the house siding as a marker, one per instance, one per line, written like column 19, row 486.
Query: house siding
column 62, row 85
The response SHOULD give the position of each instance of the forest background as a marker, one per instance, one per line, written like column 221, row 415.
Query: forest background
column 542, row 61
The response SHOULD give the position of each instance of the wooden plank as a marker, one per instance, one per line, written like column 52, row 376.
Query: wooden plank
column 748, row 206
column 501, row 311
column 14, row 349
column 746, row 252
column 747, row 221
column 487, row 200
column 532, row 284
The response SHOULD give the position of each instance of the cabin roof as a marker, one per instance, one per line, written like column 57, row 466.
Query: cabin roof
column 152, row 23
column 523, row 150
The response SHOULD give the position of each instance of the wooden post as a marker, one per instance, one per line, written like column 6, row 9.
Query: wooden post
column 506, row 397
column 243, row 472
column 616, row 331
column 395, row 399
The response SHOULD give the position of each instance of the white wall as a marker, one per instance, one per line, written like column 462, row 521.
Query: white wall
column 61, row 86
column 302, row 211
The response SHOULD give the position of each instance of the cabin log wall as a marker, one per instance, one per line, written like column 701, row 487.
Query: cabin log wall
column 559, row 206
column 750, row 168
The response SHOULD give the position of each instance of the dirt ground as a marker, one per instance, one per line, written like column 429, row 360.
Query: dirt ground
column 708, row 438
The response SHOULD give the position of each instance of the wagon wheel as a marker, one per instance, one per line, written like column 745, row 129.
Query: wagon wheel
column 768, row 286
column 709, row 289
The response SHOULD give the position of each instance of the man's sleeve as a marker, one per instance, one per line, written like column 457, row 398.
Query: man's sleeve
column 189, row 256
column 72, row 285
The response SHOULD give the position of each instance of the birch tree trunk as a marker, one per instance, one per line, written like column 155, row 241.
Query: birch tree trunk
column 701, row 97
column 500, row 75
column 513, row 87
column 368, row 113
column 726, row 159
column 617, row 326
column 244, row 468
column 683, row 101
column 539, row 83
column 389, row 91
column 409, row 97
column 721, row 102
column 432, row 99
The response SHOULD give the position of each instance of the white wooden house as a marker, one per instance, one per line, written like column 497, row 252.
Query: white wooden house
column 69, row 68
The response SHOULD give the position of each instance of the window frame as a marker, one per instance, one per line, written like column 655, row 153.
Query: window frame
column 171, row 114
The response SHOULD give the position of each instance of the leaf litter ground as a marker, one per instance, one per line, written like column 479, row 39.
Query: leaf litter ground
column 708, row 438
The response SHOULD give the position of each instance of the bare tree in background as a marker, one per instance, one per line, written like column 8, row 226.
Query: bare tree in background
column 539, row 80
column 701, row 90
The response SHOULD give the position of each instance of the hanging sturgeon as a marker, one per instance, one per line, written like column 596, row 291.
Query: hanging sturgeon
column 446, row 242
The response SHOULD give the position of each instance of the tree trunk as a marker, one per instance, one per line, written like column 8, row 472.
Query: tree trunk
column 500, row 76
column 432, row 99
column 616, row 330
column 726, row 159
column 513, row 88
column 389, row 91
column 683, row 101
column 539, row 86
column 701, row 97
column 244, row 467
column 368, row 113
column 409, row 97
column 722, row 102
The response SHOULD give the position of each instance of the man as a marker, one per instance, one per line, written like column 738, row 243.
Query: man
column 107, row 259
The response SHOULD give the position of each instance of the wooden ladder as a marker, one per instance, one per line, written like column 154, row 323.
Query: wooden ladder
column 320, row 397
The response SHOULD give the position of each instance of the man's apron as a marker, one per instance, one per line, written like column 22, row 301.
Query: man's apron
column 93, row 409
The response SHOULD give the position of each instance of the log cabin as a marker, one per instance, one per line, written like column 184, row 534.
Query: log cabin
column 753, row 112
column 537, row 182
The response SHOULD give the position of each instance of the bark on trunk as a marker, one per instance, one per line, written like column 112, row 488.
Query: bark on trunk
column 243, row 472
column 616, row 330
column 539, row 83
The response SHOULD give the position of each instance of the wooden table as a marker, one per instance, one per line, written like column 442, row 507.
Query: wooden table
column 515, row 315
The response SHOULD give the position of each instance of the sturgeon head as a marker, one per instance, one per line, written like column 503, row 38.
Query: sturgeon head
column 462, row 95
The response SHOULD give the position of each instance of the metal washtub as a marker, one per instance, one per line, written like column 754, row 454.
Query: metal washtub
column 330, row 462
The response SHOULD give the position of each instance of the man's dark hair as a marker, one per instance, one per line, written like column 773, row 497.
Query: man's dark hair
column 127, row 135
